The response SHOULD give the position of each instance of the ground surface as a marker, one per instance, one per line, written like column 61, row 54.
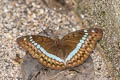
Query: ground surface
column 25, row 17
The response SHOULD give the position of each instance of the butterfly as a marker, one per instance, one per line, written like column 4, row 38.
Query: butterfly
column 70, row 51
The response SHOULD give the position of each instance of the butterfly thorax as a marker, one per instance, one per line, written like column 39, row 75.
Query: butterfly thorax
column 58, row 43
column 59, row 48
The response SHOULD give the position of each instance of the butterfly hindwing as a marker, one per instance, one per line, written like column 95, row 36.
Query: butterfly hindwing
column 42, row 48
column 79, row 44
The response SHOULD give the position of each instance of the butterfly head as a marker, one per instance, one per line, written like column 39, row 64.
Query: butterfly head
column 19, row 40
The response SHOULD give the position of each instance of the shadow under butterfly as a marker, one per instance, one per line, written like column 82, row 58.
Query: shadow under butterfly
column 70, row 51
column 59, row 5
column 33, row 70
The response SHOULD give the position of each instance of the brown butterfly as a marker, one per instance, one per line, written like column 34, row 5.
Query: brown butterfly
column 70, row 51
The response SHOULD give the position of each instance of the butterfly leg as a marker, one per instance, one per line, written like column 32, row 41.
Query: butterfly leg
column 44, row 2
column 72, row 69
column 74, row 2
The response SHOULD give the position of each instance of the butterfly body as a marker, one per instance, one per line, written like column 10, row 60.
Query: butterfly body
column 70, row 51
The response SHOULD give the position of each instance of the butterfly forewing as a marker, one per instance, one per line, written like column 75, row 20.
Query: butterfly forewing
column 71, row 40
